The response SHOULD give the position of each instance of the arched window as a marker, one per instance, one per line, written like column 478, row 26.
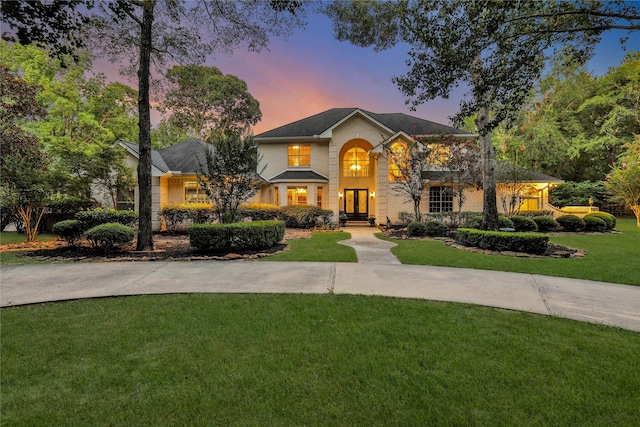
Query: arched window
column 398, row 157
column 355, row 163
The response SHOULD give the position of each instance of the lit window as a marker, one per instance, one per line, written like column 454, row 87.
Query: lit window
column 276, row 196
column 319, row 192
column 296, row 196
column 397, row 155
column 440, row 199
column 355, row 163
column 299, row 155
column 193, row 193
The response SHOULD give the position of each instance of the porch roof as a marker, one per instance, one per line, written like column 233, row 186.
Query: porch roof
column 301, row 176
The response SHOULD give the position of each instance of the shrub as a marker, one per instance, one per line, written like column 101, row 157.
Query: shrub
column 522, row 223
column 416, row 229
column 259, row 211
column 609, row 219
column 571, row 223
column 61, row 208
column 176, row 215
column 304, row 216
column 237, row 236
column 533, row 243
column 437, row 228
column 593, row 223
column 110, row 235
column 6, row 217
column 504, row 222
column 69, row 230
column 474, row 221
column 545, row 223
column 533, row 214
column 95, row 217
column 405, row 217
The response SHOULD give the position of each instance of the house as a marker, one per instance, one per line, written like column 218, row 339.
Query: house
column 336, row 160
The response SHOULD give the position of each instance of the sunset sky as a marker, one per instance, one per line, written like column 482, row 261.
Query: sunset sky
column 310, row 72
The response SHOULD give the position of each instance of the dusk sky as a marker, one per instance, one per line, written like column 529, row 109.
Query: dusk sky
column 310, row 72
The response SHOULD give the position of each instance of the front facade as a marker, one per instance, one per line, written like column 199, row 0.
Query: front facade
column 335, row 160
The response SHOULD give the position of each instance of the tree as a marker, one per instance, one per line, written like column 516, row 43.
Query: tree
column 230, row 176
column 407, row 163
column 624, row 180
column 495, row 48
column 203, row 101
column 24, row 180
column 165, row 31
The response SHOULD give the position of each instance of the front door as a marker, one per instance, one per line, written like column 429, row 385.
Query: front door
column 356, row 204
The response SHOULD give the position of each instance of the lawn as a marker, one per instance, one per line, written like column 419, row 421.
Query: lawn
column 321, row 247
column 609, row 257
column 310, row 360
column 8, row 237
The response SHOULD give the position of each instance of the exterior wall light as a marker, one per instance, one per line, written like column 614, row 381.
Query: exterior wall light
column 340, row 194
column 372, row 194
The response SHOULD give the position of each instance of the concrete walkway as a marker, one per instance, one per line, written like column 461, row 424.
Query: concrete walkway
column 369, row 249
column 583, row 300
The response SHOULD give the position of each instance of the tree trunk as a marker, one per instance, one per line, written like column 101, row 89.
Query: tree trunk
column 145, row 230
column 490, row 203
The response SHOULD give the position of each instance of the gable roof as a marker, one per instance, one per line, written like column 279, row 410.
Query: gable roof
column 187, row 156
column 322, row 124
column 157, row 161
column 299, row 175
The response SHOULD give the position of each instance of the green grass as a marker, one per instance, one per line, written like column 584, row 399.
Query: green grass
column 321, row 247
column 609, row 257
column 7, row 237
column 310, row 360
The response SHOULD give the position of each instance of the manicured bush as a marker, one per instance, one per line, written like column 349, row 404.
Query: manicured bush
column 533, row 243
column 545, row 223
column 61, row 208
column 177, row 215
column 304, row 216
column 70, row 230
column 259, row 211
column 437, row 229
column 110, row 235
column 473, row 221
column 571, row 223
column 593, row 223
column 522, row 223
column 504, row 222
column 237, row 236
column 609, row 219
column 95, row 217
column 416, row 229
column 533, row 214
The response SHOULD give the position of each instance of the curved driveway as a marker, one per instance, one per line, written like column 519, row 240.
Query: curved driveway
column 583, row 300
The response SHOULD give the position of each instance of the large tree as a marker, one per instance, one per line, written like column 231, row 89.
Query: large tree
column 153, row 32
column 496, row 49
column 204, row 102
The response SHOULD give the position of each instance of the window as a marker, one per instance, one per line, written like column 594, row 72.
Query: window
column 276, row 196
column 125, row 200
column 319, row 194
column 193, row 193
column 440, row 199
column 397, row 154
column 299, row 155
column 296, row 196
column 355, row 163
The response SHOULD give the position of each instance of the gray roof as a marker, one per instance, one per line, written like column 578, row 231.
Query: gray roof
column 396, row 122
column 187, row 156
column 156, row 158
column 301, row 175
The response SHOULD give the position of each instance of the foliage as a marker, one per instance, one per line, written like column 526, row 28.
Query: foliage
column 624, row 180
column 259, row 211
column 578, row 194
column 534, row 213
column 304, row 216
column 504, row 222
column 204, row 102
column 546, row 223
column 70, row 230
column 229, row 177
column 522, row 223
column 175, row 215
column 110, row 235
column 532, row 243
column 570, row 223
column 437, row 229
column 61, row 207
column 238, row 236
column 99, row 216
column 605, row 216
column 593, row 223
column 416, row 229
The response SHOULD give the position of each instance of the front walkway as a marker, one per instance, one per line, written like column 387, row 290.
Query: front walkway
column 369, row 249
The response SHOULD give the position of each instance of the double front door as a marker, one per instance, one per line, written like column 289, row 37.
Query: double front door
column 356, row 204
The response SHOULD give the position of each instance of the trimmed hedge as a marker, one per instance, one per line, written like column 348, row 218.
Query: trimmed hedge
column 533, row 243
column 437, row 229
column 523, row 223
column 304, row 216
column 259, row 211
column 238, row 236
column 593, row 223
column 70, row 230
column 416, row 229
column 571, row 222
column 110, row 235
column 95, row 217
column 176, row 214
column 504, row 222
column 609, row 219
column 545, row 223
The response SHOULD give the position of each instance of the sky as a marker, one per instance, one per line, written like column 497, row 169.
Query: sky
column 310, row 71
